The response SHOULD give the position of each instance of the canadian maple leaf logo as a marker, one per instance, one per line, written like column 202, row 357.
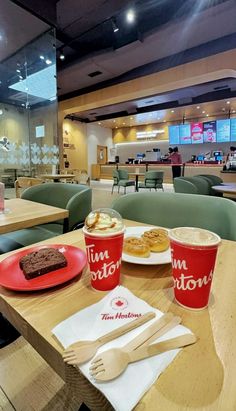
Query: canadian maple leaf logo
column 119, row 303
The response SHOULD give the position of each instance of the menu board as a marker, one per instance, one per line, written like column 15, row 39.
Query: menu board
column 197, row 133
column 233, row 129
column 185, row 134
column 223, row 131
column 209, row 132
column 174, row 135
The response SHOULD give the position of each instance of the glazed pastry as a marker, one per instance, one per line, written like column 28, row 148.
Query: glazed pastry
column 157, row 239
column 136, row 246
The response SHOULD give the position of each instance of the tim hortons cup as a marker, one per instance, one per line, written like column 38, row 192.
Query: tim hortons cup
column 104, row 235
column 193, row 256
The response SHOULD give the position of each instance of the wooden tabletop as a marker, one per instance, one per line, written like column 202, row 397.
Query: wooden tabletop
column 24, row 213
column 229, row 188
column 202, row 377
column 56, row 176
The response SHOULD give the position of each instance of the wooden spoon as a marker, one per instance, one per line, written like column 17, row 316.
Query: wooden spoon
column 82, row 351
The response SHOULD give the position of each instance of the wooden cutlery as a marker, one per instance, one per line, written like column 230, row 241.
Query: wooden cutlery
column 82, row 351
column 110, row 364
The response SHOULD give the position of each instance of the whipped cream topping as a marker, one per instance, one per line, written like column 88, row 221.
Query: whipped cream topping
column 194, row 236
column 103, row 223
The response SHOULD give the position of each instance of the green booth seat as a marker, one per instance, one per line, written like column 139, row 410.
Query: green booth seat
column 177, row 210
column 192, row 185
column 212, row 181
column 76, row 199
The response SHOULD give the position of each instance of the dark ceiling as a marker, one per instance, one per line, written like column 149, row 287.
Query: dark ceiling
column 165, row 33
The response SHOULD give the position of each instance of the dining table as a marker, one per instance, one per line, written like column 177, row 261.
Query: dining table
column 201, row 377
column 57, row 177
column 136, row 174
column 225, row 188
column 20, row 213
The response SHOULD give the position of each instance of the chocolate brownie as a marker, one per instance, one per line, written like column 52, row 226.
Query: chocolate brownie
column 41, row 262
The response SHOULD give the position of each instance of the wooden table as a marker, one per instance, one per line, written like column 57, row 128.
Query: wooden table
column 228, row 188
column 137, row 175
column 57, row 177
column 24, row 213
column 202, row 377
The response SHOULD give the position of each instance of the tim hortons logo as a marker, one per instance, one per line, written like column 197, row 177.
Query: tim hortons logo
column 107, row 269
column 187, row 282
column 119, row 303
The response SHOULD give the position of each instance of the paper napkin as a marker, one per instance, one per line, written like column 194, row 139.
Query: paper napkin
column 118, row 307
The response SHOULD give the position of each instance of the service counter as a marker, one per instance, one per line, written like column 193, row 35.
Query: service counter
column 189, row 170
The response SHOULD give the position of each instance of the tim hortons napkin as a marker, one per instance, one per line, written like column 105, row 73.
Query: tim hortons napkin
column 118, row 307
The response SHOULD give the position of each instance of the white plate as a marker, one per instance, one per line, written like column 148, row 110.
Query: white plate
column 155, row 258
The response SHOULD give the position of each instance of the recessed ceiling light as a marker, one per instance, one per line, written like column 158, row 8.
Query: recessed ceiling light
column 203, row 112
column 198, row 107
column 62, row 56
column 48, row 61
column 130, row 16
column 172, row 111
column 18, row 71
column 228, row 102
column 41, row 57
column 131, row 118
column 207, row 115
column 114, row 121
column 123, row 124
column 1, row 112
column 233, row 111
column 99, row 123
column 116, row 127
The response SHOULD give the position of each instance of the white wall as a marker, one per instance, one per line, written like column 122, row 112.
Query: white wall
column 101, row 136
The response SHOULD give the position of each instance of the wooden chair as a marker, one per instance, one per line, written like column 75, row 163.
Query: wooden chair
column 25, row 182
column 81, row 177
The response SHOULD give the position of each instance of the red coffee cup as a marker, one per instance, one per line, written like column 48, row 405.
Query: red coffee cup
column 193, row 255
column 104, row 235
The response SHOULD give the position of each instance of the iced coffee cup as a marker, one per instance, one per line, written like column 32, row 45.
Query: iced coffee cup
column 193, row 255
column 104, row 234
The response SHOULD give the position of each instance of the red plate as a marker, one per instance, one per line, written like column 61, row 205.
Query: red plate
column 12, row 277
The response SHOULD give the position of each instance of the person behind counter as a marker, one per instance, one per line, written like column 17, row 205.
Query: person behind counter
column 176, row 161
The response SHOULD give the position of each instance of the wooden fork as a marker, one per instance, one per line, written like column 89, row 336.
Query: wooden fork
column 82, row 351
column 110, row 364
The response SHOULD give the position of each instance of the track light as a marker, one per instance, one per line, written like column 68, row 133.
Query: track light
column 115, row 28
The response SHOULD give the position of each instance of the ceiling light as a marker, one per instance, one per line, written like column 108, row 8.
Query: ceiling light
column 172, row 111
column 115, row 28
column 114, row 121
column 207, row 115
column 18, row 71
column 233, row 111
column 123, row 124
column 203, row 112
column 223, row 109
column 1, row 112
column 198, row 107
column 48, row 61
column 99, row 123
column 41, row 57
column 62, row 56
column 228, row 102
column 130, row 16
column 116, row 127
column 131, row 118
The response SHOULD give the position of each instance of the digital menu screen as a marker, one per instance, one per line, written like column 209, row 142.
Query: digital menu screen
column 174, row 135
column 223, row 131
column 233, row 129
column 197, row 133
column 209, row 132
column 185, row 134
